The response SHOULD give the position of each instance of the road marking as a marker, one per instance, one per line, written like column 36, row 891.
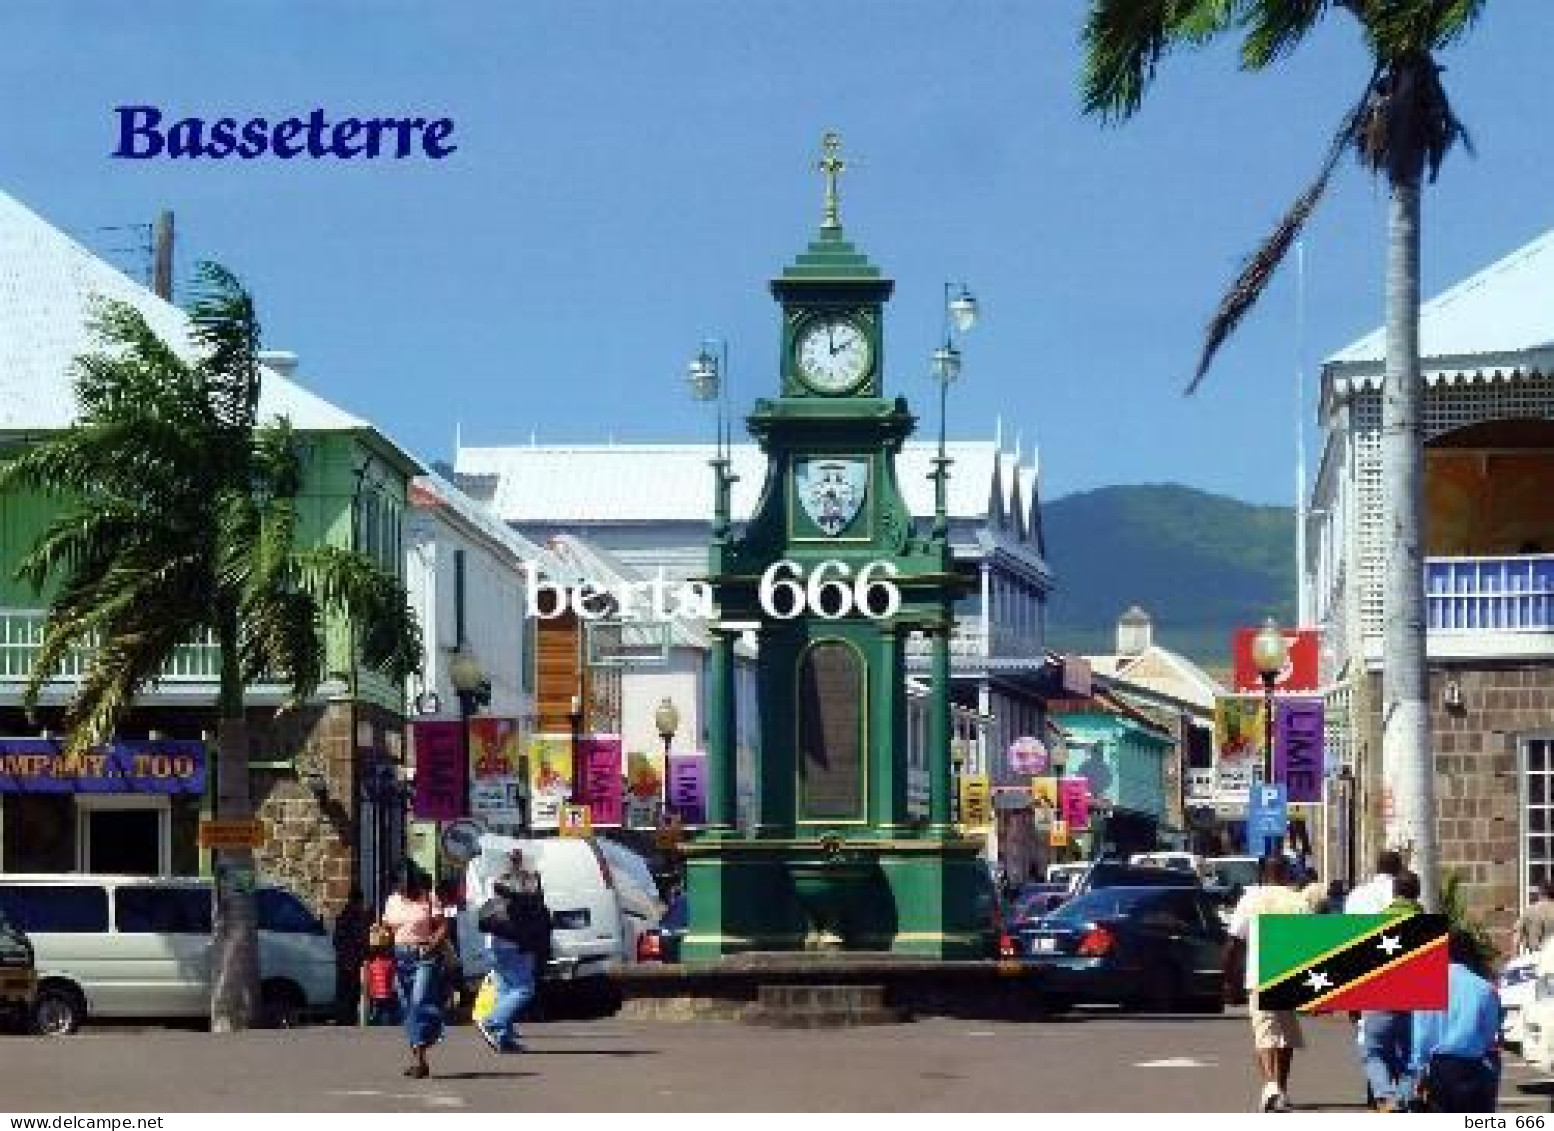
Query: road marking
column 981, row 1033
column 1176, row 1062
column 435, row 1099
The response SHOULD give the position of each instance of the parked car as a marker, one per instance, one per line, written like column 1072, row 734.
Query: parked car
column 1114, row 873
column 18, row 976
column 140, row 947
column 1066, row 873
column 1032, row 901
column 1180, row 861
column 1517, row 985
column 1157, row 948
column 1231, row 874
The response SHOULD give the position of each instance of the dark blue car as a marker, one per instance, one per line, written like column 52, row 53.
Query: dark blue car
column 1155, row 948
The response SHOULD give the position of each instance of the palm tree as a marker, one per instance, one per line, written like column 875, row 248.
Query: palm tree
column 178, row 519
column 1401, row 128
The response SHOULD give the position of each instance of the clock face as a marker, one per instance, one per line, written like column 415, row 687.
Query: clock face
column 833, row 354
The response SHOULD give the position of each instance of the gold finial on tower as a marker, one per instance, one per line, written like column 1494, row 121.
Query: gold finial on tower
column 831, row 165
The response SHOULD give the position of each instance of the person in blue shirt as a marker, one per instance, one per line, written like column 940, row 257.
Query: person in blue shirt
column 1455, row 1057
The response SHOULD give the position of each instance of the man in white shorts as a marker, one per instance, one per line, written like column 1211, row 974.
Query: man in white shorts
column 1275, row 1033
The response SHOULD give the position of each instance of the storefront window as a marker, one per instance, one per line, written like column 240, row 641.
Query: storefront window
column 40, row 833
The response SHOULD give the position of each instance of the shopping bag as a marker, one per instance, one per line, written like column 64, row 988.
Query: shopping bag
column 485, row 999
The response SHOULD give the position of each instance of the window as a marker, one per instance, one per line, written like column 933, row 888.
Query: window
column 163, row 911
column 1538, row 805
column 67, row 909
column 281, row 911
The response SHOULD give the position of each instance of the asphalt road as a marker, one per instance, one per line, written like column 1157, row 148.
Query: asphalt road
column 1097, row 1061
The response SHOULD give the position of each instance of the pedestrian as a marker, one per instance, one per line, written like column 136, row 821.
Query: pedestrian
column 1455, row 1061
column 379, row 991
column 1333, row 902
column 1275, row 1033
column 1535, row 924
column 1372, row 897
column 517, row 930
column 350, row 952
column 415, row 917
column 1384, row 1033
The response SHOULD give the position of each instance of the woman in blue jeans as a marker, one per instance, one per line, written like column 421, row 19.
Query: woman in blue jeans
column 513, row 955
column 419, row 930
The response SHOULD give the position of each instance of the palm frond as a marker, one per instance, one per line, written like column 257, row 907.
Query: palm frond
column 134, row 371
column 227, row 327
column 1409, row 125
column 1260, row 268
column 351, row 584
column 130, row 657
column 1276, row 27
column 1124, row 41
column 283, row 635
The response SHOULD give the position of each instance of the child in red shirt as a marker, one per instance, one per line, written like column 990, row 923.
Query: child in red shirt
column 380, row 997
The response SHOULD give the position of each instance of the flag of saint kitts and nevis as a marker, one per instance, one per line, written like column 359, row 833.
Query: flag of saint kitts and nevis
column 1332, row 963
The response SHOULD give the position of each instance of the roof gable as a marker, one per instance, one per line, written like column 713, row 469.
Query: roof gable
column 48, row 284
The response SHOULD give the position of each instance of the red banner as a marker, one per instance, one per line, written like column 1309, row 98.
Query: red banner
column 1300, row 669
column 441, row 770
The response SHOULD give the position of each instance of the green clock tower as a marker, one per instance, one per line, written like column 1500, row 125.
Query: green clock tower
column 834, row 575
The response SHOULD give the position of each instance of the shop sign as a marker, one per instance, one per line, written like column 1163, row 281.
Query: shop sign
column 575, row 821
column 226, row 834
column 1027, row 756
column 1297, row 749
column 39, row 765
column 1300, row 665
column 1058, row 837
column 461, row 840
column 976, row 809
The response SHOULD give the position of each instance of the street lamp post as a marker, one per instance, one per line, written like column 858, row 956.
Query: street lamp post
column 960, row 314
column 667, row 720
column 1270, row 652
column 474, row 692
column 1059, row 762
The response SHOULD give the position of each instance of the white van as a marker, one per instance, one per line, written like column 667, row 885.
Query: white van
column 588, row 937
column 139, row 946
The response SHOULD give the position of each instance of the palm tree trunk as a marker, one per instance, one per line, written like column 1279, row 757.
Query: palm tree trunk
column 1407, row 756
column 235, row 950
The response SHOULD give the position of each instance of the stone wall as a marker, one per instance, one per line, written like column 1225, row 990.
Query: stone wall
column 311, row 844
column 1477, row 786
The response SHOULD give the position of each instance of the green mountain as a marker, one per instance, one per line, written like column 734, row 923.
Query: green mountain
column 1199, row 564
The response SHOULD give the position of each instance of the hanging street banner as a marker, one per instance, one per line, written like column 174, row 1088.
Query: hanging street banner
column 1297, row 749
column 550, row 778
column 598, row 778
column 495, row 771
column 38, row 765
column 441, row 774
column 687, row 783
column 644, row 790
column 1267, row 817
column 976, row 801
column 1238, row 728
column 1348, row 963
column 1044, row 795
column 1300, row 669
column 1074, row 803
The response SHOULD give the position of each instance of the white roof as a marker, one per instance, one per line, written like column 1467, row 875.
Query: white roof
column 47, row 284
column 673, row 482
column 432, row 489
column 1500, row 318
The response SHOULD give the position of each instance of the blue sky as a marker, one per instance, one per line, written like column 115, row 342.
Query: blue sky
column 630, row 174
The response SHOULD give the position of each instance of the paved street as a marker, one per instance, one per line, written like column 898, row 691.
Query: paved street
column 1092, row 1062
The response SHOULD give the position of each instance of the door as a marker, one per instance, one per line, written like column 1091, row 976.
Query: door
column 123, row 836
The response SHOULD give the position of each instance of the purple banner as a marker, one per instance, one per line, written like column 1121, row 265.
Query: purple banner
column 1297, row 749
column 37, row 765
column 441, row 784
column 687, row 788
column 599, row 784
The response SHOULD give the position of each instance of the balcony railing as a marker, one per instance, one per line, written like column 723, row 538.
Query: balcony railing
column 21, row 634
column 1504, row 594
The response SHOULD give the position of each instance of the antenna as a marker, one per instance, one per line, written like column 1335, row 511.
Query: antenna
column 1302, row 612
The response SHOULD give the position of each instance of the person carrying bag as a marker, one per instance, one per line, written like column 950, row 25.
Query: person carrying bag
column 517, row 926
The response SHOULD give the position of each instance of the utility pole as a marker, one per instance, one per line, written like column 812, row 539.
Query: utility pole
column 162, row 263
